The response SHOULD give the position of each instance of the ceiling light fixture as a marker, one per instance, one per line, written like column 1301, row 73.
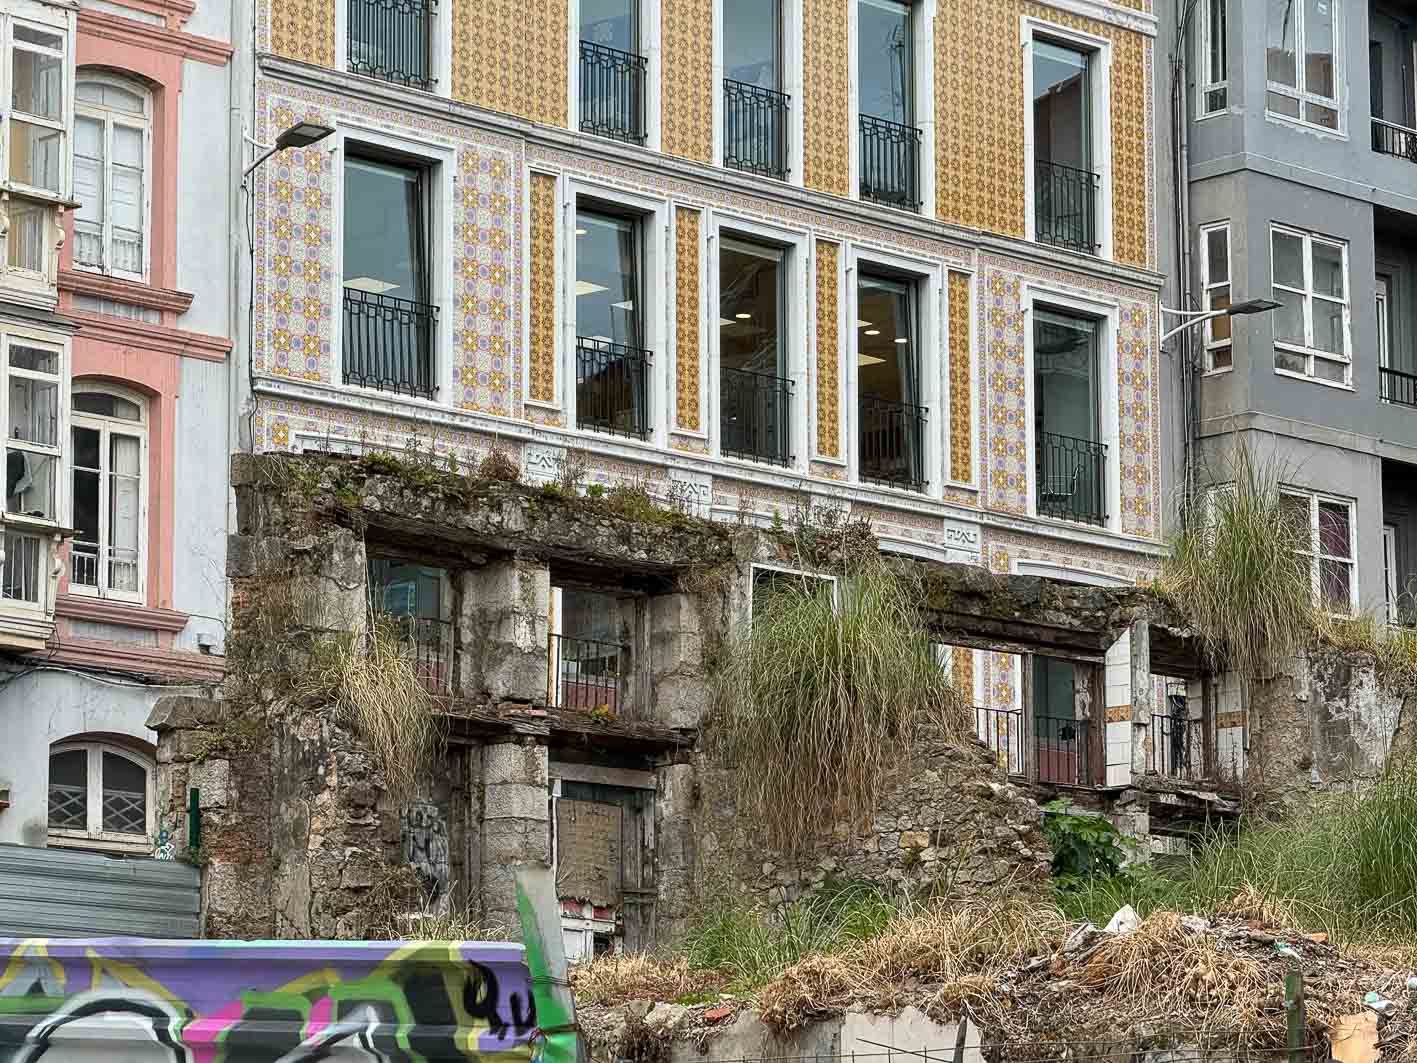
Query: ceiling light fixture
column 873, row 332
column 901, row 339
column 744, row 317
column 580, row 232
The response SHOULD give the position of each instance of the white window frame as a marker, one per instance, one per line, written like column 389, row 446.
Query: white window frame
column 441, row 166
column 792, row 87
column 1101, row 71
column 922, row 43
column 106, row 427
column 1210, row 285
column 1298, row 91
column 794, row 318
column 652, row 49
column 1390, row 571
column 1205, row 85
column 1315, row 555
column 928, row 279
column 64, row 124
column 1308, row 295
column 1108, row 317
column 440, row 47
column 788, row 570
column 94, row 836
column 110, row 118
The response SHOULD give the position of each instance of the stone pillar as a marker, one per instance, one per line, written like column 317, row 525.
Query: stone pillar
column 674, row 853
column 1143, row 695
column 679, row 695
column 516, row 824
column 634, row 702
column 503, row 629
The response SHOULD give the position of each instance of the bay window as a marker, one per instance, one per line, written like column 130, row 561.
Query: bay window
column 1323, row 530
column 110, row 176
column 109, row 436
column 1301, row 60
column 1311, row 326
column 34, row 115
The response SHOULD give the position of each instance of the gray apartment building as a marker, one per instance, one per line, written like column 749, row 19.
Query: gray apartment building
column 1294, row 123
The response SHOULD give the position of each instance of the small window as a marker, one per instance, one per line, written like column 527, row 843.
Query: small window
column 890, row 140
column 755, row 392
column 111, row 166
column 1311, row 327
column 590, row 661
column 389, row 320
column 100, row 794
column 612, row 364
column 1066, row 184
column 107, row 555
column 1326, row 538
column 415, row 602
column 35, row 115
column 1215, row 280
column 1214, row 95
column 393, row 40
column 890, row 415
column 1305, row 91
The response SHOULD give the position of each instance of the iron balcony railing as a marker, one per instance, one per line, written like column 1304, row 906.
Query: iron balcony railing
column 427, row 643
column 1399, row 140
column 1172, row 751
column 612, row 93
column 754, row 411
column 1061, row 751
column 612, row 387
column 390, row 39
column 1396, row 386
column 892, row 442
column 890, row 163
column 388, row 343
column 1065, row 206
column 587, row 675
column 755, row 129
column 1071, row 478
column 1002, row 731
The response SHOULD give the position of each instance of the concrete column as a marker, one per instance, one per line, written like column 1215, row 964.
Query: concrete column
column 634, row 694
column 678, row 686
column 674, row 855
column 1143, row 695
column 516, row 824
column 503, row 629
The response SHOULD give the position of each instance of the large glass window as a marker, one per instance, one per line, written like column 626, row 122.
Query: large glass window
column 1301, row 60
column 35, row 138
column 109, row 434
column 1215, row 281
column 1324, row 531
column 388, row 320
column 752, row 42
column 755, row 393
column 1070, row 462
column 1311, row 326
column 885, row 67
column 754, row 106
column 890, row 414
column 99, row 795
column 1065, row 186
column 1214, row 78
column 612, row 70
column 611, row 360
column 110, row 176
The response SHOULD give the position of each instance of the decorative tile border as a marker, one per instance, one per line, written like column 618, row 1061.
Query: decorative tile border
column 961, row 460
column 542, row 360
column 688, row 316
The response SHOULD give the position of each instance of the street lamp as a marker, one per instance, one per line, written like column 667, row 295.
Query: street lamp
column 1195, row 317
column 300, row 135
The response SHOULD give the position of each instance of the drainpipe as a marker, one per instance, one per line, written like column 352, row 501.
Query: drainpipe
column 1180, row 177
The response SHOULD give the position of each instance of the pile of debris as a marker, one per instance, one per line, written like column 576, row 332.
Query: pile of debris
column 1166, row 980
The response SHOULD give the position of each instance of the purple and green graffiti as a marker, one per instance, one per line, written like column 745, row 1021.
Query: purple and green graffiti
column 136, row 1001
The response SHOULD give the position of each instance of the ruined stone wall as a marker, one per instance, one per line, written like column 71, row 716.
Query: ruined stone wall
column 949, row 820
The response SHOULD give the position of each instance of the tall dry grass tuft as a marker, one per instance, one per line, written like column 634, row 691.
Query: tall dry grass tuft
column 374, row 684
column 618, row 979
column 1236, row 576
column 820, row 700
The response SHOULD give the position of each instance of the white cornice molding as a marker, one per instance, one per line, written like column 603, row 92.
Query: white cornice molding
column 1127, row 18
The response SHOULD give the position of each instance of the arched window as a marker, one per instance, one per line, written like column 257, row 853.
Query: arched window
column 100, row 796
column 110, row 443
column 112, row 120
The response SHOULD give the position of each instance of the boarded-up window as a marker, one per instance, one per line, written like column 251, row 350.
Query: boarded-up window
column 589, row 851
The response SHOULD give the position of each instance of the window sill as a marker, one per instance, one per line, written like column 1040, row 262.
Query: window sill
column 1308, row 127
column 1314, row 380
column 134, row 845
column 1219, row 372
column 39, row 195
column 74, row 606
column 122, row 290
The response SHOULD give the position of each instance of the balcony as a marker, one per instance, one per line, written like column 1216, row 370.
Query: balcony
column 890, row 163
column 587, row 675
column 612, row 93
column 389, row 40
column 1002, row 731
column 892, row 443
column 754, row 416
column 27, row 589
column 1391, row 139
column 1397, row 387
column 388, row 343
column 612, row 387
column 427, row 643
column 1062, row 751
column 755, row 129
column 1071, row 478
column 1065, row 206
column 1170, row 750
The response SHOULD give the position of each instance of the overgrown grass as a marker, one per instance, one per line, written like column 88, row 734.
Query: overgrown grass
column 1347, row 865
column 817, row 703
column 1235, row 574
